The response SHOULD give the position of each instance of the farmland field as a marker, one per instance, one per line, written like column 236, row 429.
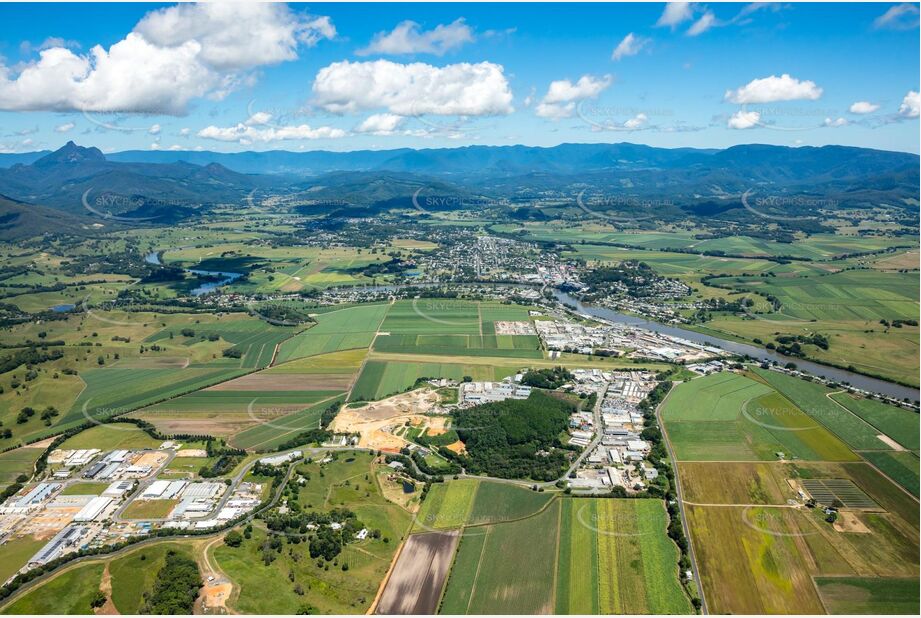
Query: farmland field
column 269, row 434
column 898, row 423
column 17, row 461
column 901, row 466
column 115, row 391
column 419, row 574
column 816, row 400
column 761, row 559
column 615, row 557
column 380, row 379
column 521, row 582
column 447, row 505
column 509, row 346
column 344, row 329
column 869, row 595
column 730, row 417
column 498, row 502
column 433, row 316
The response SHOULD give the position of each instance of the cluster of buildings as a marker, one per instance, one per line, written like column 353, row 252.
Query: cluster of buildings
column 613, row 429
column 615, row 339
column 86, row 493
column 475, row 393
column 202, row 508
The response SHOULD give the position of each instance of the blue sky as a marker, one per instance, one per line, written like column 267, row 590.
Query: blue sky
column 356, row 76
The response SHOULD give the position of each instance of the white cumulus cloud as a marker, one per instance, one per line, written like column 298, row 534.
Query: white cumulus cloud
column 744, row 120
column 863, row 107
column 637, row 122
column 563, row 95
column 64, row 128
column 462, row 89
column 248, row 133
column 407, row 38
column 172, row 56
column 910, row 105
column 629, row 46
column 772, row 89
column 380, row 124
column 835, row 122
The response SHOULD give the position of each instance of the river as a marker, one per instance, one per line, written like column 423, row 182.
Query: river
column 857, row 380
column 225, row 277
column 830, row 373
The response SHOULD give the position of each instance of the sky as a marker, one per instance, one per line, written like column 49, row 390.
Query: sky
column 235, row 77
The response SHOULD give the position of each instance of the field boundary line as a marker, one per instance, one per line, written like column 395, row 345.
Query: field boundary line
column 860, row 458
column 322, row 401
column 476, row 576
column 678, row 494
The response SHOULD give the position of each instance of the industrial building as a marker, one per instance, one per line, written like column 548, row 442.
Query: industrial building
column 93, row 509
column 67, row 538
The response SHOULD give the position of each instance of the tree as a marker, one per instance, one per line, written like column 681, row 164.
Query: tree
column 233, row 539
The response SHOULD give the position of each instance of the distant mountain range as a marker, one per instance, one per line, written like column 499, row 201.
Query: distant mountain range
column 76, row 179
column 170, row 185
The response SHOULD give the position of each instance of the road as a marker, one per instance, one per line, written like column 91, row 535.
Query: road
column 680, row 498
column 599, row 433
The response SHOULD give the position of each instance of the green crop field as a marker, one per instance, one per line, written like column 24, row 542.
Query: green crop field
column 605, row 556
column 380, row 379
column 852, row 295
column 729, row 417
column 343, row 329
column 447, row 505
column 115, row 391
column 869, row 595
column 17, row 461
column 812, row 398
column 509, row 346
column 515, row 571
column 499, row 502
column 901, row 466
column 898, row 423
column 637, row 564
column 433, row 315
column 255, row 339
column 270, row 434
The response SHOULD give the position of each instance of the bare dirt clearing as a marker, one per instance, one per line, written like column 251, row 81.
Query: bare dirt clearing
column 374, row 422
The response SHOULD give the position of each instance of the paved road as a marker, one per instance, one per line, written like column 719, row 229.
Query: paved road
column 599, row 433
column 680, row 498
